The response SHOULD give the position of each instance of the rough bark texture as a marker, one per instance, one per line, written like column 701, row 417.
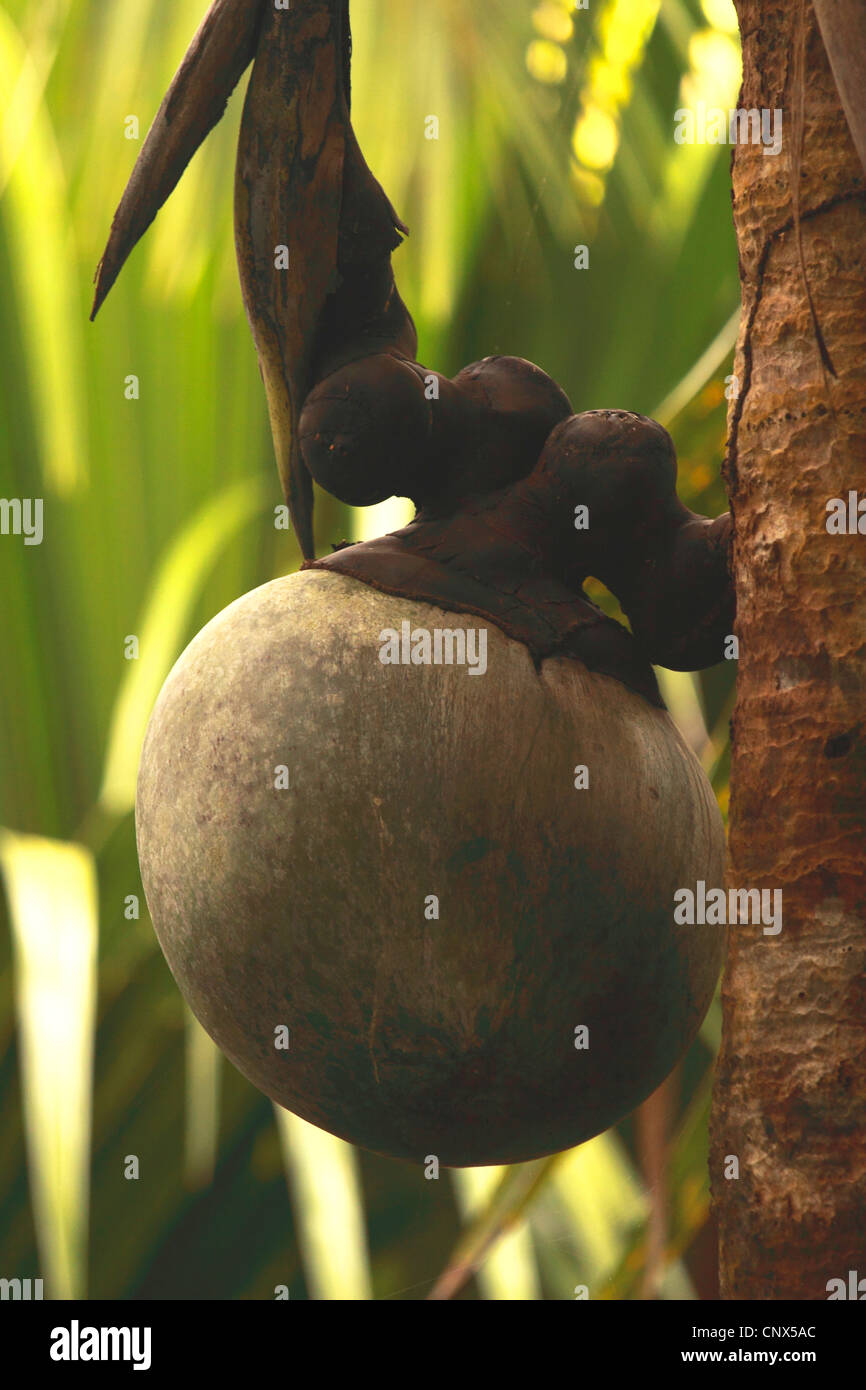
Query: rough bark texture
column 790, row 1098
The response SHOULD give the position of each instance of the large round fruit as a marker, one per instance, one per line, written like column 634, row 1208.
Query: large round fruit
column 414, row 789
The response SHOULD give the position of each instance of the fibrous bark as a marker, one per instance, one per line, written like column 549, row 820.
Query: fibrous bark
column 790, row 1102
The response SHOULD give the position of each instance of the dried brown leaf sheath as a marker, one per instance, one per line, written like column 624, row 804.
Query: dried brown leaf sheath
column 223, row 46
column 288, row 194
column 298, row 169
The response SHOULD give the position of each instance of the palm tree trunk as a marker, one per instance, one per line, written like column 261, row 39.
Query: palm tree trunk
column 790, row 1096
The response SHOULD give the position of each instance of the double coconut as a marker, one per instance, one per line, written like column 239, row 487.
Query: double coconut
column 411, row 821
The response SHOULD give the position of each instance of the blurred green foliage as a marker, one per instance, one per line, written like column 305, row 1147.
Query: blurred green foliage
column 555, row 131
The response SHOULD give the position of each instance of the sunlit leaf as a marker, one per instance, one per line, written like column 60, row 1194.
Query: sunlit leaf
column 700, row 373
column 163, row 624
column 391, row 515
column 680, row 693
column 501, row 1214
column 45, row 270
column 711, row 1028
column 601, row 1193
column 690, row 1200
column 203, row 1064
column 510, row 1270
column 53, row 906
column 329, row 1209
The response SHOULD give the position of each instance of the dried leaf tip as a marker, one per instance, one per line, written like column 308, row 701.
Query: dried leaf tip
column 222, row 48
